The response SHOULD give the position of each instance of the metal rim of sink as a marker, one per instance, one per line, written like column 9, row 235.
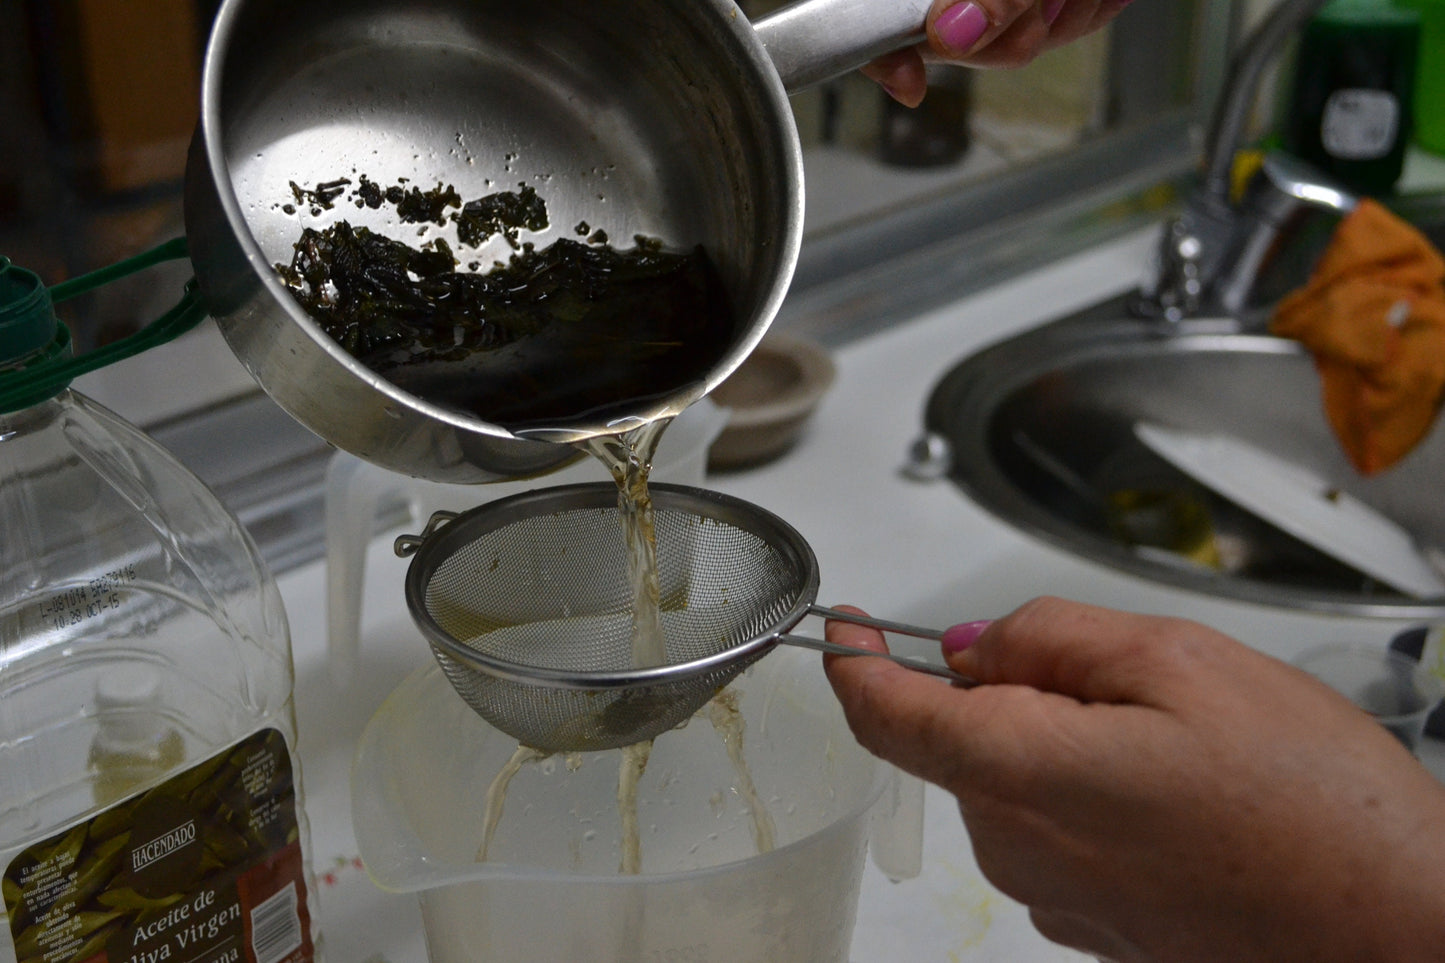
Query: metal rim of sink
column 964, row 408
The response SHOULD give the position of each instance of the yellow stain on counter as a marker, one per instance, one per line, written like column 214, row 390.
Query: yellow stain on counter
column 968, row 905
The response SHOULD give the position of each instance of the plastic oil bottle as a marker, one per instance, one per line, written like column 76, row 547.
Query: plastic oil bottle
column 150, row 804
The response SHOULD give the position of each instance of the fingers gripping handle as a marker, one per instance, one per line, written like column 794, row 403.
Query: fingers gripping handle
column 917, row 665
column 895, row 837
column 816, row 40
column 883, row 625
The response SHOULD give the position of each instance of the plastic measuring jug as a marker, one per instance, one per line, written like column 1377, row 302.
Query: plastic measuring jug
column 551, row 889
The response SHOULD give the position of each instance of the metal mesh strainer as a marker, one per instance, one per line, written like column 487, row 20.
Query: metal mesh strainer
column 527, row 604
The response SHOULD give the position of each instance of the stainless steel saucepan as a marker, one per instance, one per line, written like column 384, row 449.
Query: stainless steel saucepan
column 666, row 118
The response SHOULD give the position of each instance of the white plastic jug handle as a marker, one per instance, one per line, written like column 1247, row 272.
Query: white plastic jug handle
column 895, row 836
column 353, row 489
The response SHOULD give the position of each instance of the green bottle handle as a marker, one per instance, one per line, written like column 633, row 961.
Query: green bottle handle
column 54, row 373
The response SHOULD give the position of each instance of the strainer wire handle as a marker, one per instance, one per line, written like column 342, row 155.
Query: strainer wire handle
column 884, row 625
column 902, row 628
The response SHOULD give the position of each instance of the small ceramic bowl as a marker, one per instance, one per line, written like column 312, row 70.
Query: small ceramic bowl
column 770, row 397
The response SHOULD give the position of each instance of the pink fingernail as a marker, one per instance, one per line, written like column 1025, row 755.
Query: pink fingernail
column 960, row 637
column 961, row 26
column 1052, row 9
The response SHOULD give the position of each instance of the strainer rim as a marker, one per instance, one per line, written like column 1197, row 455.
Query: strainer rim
column 438, row 546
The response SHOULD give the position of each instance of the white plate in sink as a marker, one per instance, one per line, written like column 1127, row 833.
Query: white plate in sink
column 1300, row 503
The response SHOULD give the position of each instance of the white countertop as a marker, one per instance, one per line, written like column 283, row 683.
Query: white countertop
column 904, row 550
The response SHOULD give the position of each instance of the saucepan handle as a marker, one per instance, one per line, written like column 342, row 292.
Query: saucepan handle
column 816, row 40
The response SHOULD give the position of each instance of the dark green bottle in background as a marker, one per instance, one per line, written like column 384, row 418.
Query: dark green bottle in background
column 1350, row 107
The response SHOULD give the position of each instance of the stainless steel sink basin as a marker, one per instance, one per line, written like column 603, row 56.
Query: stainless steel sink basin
column 1041, row 434
column 1039, row 429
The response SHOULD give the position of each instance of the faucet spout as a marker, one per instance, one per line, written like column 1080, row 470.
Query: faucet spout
column 1212, row 253
column 1284, row 192
column 1231, row 115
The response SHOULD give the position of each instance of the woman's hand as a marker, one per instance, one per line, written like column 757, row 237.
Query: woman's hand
column 1153, row 790
column 988, row 33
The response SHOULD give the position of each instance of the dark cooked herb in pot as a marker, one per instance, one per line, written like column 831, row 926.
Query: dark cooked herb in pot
column 505, row 213
column 568, row 332
column 417, row 206
column 368, row 193
column 358, row 285
column 321, row 197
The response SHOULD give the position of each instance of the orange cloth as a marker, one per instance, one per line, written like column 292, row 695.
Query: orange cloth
column 1373, row 316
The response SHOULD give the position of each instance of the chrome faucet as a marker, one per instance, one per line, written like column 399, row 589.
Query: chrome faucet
column 1213, row 252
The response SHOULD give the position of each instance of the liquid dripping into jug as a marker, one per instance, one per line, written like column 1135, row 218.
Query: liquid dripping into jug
column 634, row 763
column 628, row 458
column 723, row 713
column 497, row 794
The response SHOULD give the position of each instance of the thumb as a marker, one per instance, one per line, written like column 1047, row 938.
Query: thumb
column 990, row 32
column 1092, row 654
column 913, row 720
column 1038, row 674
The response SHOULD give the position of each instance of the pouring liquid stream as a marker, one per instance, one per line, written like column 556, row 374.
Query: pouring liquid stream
column 723, row 713
column 628, row 458
column 497, row 794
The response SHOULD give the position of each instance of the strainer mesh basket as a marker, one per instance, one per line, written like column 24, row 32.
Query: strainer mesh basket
column 527, row 604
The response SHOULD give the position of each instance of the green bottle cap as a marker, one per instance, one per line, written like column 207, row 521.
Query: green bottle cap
column 32, row 340
column 27, row 319
column 36, row 356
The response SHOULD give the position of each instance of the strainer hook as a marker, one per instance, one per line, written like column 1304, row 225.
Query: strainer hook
column 406, row 546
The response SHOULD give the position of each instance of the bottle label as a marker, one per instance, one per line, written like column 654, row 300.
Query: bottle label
column 206, row 867
column 1360, row 124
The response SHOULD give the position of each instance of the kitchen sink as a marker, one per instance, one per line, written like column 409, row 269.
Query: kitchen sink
column 1040, row 431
